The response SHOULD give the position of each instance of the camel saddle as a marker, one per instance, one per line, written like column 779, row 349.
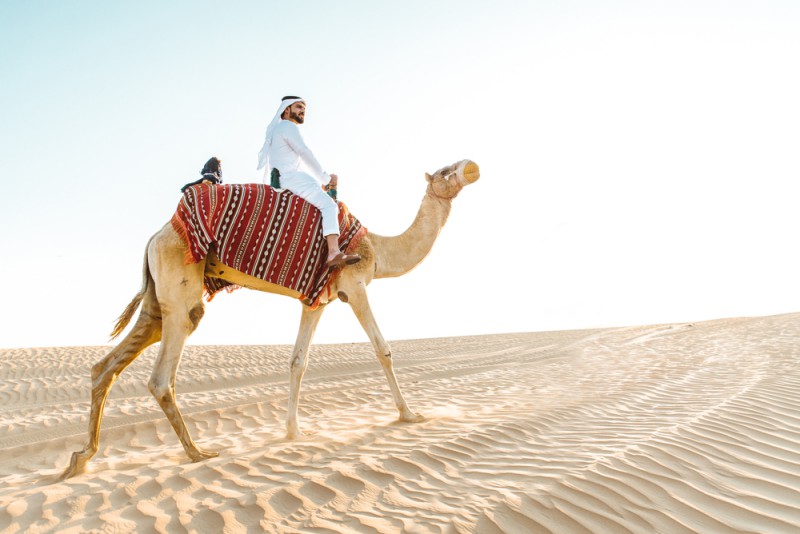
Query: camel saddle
column 272, row 235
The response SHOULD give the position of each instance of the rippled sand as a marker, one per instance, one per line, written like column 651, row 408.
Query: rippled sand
column 668, row 428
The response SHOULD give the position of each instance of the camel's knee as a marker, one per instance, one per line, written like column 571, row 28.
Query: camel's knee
column 385, row 359
column 97, row 371
column 158, row 389
column 101, row 370
column 298, row 364
column 110, row 367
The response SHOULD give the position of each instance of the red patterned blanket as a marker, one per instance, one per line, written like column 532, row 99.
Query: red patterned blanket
column 272, row 235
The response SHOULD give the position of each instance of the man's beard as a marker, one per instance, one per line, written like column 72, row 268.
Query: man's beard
column 296, row 117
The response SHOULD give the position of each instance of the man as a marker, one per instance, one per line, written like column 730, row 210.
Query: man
column 284, row 150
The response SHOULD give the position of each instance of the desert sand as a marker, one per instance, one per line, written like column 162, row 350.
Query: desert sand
column 663, row 428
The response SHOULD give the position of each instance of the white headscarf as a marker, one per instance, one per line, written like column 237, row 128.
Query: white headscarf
column 263, row 156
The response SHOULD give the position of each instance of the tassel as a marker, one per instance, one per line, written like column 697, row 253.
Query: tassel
column 180, row 229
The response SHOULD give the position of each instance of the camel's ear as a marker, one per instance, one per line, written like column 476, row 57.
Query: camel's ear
column 428, row 177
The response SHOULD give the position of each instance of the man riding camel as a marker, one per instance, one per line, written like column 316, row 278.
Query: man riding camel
column 284, row 150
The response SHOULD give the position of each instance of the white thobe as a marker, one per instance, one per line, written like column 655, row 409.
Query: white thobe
column 286, row 153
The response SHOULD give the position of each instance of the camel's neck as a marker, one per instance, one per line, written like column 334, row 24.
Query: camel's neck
column 397, row 255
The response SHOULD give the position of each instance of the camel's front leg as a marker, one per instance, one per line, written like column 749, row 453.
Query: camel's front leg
column 357, row 298
column 308, row 324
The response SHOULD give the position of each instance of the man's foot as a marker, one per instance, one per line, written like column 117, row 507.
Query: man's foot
column 342, row 259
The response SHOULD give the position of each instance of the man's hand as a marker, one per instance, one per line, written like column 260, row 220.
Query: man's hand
column 332, row 183
column 330, row 187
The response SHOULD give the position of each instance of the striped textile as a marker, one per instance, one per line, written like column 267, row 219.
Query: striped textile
column 272, row 235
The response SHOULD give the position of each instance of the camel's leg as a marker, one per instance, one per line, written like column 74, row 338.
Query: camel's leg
column 162, row 381
column 308, row 324
column 145, row 332
column 179, row 289
column 357, row 298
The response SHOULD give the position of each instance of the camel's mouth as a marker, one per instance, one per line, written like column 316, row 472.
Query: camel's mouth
column 470, row 171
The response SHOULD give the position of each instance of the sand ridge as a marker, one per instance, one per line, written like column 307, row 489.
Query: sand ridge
column 667, row 428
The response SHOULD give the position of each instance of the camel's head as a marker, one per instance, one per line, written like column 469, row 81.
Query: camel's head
column 447, row 182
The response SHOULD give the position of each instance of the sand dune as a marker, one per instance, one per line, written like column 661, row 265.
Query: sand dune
column 665, row 428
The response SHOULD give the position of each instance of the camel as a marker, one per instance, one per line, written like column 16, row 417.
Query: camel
column 171, row 300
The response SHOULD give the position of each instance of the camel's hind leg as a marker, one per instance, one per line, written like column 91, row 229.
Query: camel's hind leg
column 162, row 382
column 180, row 294
column 145, row 332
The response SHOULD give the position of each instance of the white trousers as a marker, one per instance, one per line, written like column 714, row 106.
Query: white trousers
column 309, row 188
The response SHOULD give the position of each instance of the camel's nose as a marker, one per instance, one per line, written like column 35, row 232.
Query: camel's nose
column 471, row 172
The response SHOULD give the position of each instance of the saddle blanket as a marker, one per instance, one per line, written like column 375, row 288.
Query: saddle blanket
column 269, row 234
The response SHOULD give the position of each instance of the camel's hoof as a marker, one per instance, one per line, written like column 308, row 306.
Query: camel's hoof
column 77, row 465
column 69, row 472
column 412, row 418
column 299, row 435
column 198, row 455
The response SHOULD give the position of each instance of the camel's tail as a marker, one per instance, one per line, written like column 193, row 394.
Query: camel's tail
column 127, row 315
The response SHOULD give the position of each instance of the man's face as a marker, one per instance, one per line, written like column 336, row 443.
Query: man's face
column 296, row 112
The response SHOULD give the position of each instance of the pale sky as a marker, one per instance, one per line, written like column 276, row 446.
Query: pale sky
column 639, row 160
